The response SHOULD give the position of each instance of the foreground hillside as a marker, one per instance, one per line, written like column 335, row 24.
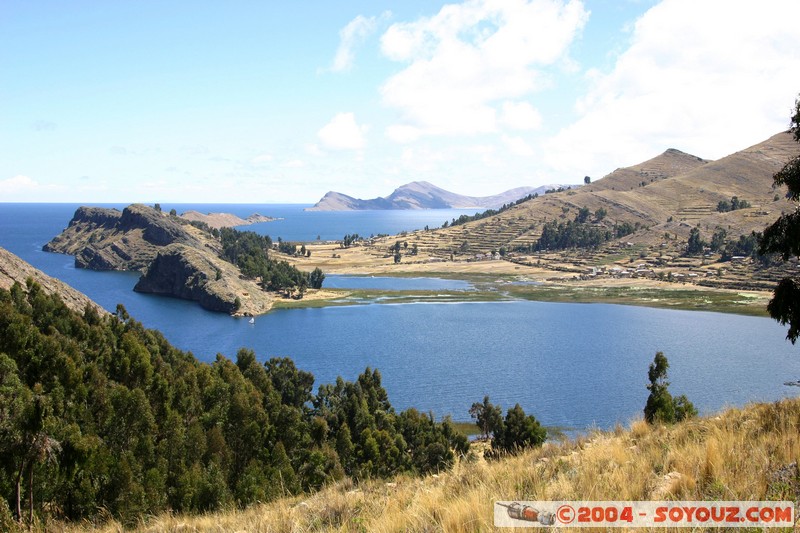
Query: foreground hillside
column 102, row 417
column 740, row 454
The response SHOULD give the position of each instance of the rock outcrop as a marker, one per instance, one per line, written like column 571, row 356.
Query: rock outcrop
column 13, row 269
column 176, row 259
column 107, row 239
column 185, row 272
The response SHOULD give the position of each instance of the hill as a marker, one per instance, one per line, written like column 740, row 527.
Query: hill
column 633, row 223
column 223, row 270
column 424, row 195
column 669, row 193
column 100, row 416
column 15, row 270
column 745, row 454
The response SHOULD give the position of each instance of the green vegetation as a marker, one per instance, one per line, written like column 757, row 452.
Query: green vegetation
column 519, row 431
column 695, row 244
column 487, row 417
column 315, row 278
column 287, row 248
column 725, row 206
column 783, row 237
column 463, row 219
column 249, row 251
column 661, row 407
column 745, row 246
column 348, row 240
column 669, row 298
column 510, row 435
column 100, row 416
column 578, row 233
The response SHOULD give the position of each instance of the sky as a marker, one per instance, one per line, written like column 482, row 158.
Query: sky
column 280, row 102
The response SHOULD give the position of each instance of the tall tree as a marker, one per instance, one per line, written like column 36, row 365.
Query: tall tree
column 783, row 237
column 488, row 417
column 661, row 406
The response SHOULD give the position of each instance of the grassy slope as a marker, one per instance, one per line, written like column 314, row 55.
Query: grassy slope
column 676, row 185
column 740, row 454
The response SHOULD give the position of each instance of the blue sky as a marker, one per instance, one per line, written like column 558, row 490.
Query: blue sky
column 265, row 102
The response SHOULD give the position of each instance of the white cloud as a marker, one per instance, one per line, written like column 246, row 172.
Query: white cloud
column 352, row 35
column 518, row 146
column 469, row 57
column 314, row 150
column 343, row 133
column 707, row 77
column 17, row 184
column 294, row 163
column 403, row 134
column 21, row 188
column 261, row 159
column 520, row 116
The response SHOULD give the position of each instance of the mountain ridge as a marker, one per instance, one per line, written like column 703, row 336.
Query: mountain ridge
column 425, row 195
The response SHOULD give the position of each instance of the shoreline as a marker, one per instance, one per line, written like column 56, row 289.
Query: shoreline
column 496, row 288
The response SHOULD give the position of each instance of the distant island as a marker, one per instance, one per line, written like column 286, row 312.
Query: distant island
column 424, row 195
column 225, row 220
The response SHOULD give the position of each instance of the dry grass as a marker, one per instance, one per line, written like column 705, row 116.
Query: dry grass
column 741, row 454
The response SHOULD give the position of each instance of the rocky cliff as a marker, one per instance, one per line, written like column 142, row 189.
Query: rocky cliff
column 13, row 269
column 107, row 239
column 176, row 259
column 185, row 272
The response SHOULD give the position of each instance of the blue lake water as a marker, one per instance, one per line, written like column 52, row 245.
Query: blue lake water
column 574, row 365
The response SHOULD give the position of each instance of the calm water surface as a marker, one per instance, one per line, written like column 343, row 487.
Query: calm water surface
column 574, row 365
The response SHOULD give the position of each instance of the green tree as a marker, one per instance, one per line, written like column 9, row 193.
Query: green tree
column 661, row 406
column 518, row 431
column 695, row 244
column 600, row 213
column 718, row 240
column 783, row 237
column 315, row 278
column 488, row 417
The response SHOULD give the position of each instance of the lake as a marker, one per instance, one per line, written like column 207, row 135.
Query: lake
column 573, row 365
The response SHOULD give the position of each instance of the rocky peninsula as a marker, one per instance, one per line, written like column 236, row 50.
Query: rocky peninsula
column 175, row 258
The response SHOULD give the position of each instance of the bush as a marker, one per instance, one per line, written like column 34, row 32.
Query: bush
column 518, row 431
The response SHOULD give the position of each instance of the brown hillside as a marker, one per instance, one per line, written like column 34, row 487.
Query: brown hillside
column 674, row 185
column 13, row 269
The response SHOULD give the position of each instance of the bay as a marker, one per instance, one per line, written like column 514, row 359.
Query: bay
column 573, row 365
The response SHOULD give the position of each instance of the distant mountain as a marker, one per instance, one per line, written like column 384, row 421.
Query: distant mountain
column 424, row 195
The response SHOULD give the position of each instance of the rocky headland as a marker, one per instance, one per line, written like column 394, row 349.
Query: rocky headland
column 175, row 258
